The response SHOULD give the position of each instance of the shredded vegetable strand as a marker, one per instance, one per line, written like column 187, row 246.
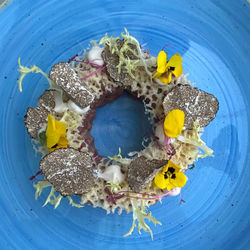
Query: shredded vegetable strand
column 93, row 73
column 166, row 45
column 167, row 139
column 113, row 197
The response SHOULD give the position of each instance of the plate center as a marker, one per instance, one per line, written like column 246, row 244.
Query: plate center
column 121, row 123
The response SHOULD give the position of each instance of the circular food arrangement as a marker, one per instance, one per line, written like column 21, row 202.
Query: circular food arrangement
column 61, row 122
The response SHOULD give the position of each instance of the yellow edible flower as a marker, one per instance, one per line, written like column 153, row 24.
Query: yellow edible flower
column 170, row 177
column 165, row 69
column 56, row 134
column 174, row 122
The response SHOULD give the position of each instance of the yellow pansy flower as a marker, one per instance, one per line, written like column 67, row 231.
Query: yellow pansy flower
column 165, row 69
column 56, row 134
column 173, row 123
column 170, row 177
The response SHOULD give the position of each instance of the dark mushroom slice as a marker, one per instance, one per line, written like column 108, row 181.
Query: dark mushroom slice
column 112, row 60
column 35, row 120
column 69, row 171
column 47, row 99
column 195, row 103
column 141, row 172
column 66, row 78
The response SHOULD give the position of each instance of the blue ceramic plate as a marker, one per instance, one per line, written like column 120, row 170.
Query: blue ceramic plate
column 213, row 38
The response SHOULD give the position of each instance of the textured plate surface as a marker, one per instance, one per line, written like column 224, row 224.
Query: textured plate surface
column 213, row 38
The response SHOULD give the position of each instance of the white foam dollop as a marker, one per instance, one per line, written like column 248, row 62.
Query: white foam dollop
column 76, row 108
column 159, row 132
column 175, row 191
column 112, row 173
column 60, row 106
column 95, row 55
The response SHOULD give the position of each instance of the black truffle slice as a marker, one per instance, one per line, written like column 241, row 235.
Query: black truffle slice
column 35, row 119
column 112, row 60
column 65, row 77
column 47, row 99
column 69, row 171
column 195, row 103
column 141, row 172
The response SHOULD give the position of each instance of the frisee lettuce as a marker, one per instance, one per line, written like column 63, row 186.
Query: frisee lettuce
column 111, row 42
column 34, row 69
column 72, row 203
column 52, row 198
column 40, row 186
column 130, row 65
column 196, row 141
column 142, row 61
column 119, row 158
column 113, row 186
column 139, row 215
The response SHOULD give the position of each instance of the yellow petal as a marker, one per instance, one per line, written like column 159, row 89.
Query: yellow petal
column 55, row 130
column 165, row 169
column 161, row 62
column 61, row 128
column 51, row 133
column 160, row 181
column 174, row 61
column 170, row 185
column 52, row 140
column 180, row 180
column 166, row 78
column 51, row 123
column 178, row 70
column 157, row 75
column 63, row 142
column 174, row 122
column 172, row 165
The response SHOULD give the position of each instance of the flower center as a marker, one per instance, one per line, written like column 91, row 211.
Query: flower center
column 170, row 173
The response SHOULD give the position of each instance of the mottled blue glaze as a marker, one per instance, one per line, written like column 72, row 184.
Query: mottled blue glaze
column 213, row 38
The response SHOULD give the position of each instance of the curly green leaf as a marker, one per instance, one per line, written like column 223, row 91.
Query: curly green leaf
column 72, row 203
column 197, row 142
column 40, row 186
column 34, row 69
column 114, row 187
column 139, row 215
column 119, row 158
